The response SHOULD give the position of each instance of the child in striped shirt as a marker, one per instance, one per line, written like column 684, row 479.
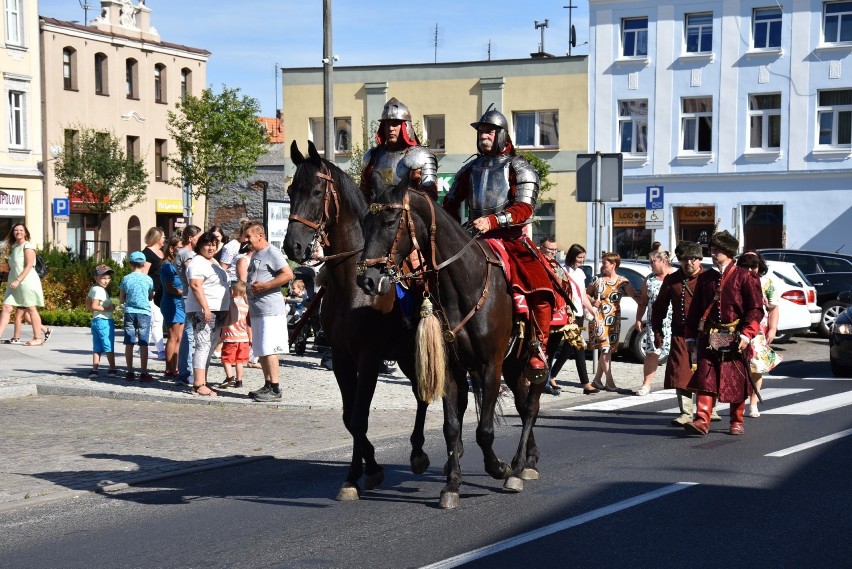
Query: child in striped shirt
column 236, row 340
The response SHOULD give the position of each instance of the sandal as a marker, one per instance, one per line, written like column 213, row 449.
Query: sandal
column 196, row 390
column 16, row 341
column 35, row 342
column 47, row 333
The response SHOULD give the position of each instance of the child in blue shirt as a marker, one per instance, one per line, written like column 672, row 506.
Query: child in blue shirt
column 103, row 323
column 137, row 289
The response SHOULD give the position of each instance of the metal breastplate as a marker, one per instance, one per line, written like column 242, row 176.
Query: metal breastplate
column 389, row 169
column 489, row 180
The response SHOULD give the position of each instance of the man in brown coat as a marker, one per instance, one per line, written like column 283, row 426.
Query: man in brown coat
column 677, row 290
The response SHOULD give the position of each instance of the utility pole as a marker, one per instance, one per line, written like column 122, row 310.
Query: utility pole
column 328, row 58
column 85, row 6
column 572, row 34
column 541, row 26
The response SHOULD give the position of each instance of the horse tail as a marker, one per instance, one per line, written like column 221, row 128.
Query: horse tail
column 430, row 356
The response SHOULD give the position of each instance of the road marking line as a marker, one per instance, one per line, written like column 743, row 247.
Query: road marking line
column 766, row 393
column 463, row 558
column 814, row 405
column 625, row 402
column 811, row 444
column 824, row 378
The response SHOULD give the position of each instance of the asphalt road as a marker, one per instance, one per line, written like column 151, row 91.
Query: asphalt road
column 619, row 488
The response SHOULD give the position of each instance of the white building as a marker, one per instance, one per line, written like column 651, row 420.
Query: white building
column 741, row 111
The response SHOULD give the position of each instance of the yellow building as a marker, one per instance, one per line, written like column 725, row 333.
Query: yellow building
column 117, row 75
column 21, row 187
column 544, row 100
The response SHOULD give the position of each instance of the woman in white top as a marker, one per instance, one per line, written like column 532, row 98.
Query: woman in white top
column 206, row 307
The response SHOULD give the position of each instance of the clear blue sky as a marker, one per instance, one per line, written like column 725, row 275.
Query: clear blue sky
column 248, row 39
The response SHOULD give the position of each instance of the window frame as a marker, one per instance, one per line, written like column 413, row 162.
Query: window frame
column 160, row 83
column 834, row 111
column 161, row 167
column 338, row 122
column 635, row 122
column 767, row 116
column 17, row 119
column 702, row 29
column 536, row 129
column 839, row 24
column 185, row 83
column 133, row 147
column 69, row 68
column 131, row 78
column 101, row 74
column 14, row 28
column 771, row 22
column 695, row 117
column 431, row 142
column 635, row 35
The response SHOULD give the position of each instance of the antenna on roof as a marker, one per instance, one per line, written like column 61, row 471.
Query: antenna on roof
column 436, row 41
column 85, row 6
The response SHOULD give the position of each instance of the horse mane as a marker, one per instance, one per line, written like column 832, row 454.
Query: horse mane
column 349, row 191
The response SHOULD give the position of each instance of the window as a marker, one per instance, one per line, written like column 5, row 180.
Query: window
column 69, row 69
column 545, row 225
column 834, row 115
column 101, row 74
column 435, row 137
column 17, row 119
column 764, row 121
column 185, row 83
column 160, row 83
column 14, row 22
column 133, row 148
column 539, row 129
column 161, row 172
column 835, row 265
column 767, row 28
column 697, row 124
column 343, row 134
column 634, row 36
column 838, row 22
column 132, row 78
column 72, row 138
column 633, row 126
column 699, row 33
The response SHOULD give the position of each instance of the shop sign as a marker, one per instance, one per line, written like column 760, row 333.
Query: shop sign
column 12, row 203
column 445, row 181
column 628, row 217
column 702, row 215
column 169, row 206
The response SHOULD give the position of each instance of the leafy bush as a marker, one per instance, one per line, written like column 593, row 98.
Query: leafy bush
column 66, row 317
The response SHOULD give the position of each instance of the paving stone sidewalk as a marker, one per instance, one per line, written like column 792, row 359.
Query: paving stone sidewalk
column 64, row 434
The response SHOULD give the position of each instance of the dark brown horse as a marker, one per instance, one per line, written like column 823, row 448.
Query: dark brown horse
column 464, row 281
column 326, row 211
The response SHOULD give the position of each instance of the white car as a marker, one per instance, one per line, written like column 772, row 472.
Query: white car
column 797, row 300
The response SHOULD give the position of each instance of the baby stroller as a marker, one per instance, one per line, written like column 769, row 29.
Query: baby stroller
column 294, row 318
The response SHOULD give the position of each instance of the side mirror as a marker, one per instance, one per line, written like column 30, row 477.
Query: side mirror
column 845, row 297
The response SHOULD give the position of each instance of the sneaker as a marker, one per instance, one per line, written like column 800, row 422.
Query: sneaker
column 262, row 391
column 112, row 373
column 268, row 395
column 146, row 377
column 93, row 374
column 752, row 411
column 130, row 376
column 229, row 382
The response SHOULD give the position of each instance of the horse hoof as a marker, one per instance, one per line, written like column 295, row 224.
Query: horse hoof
column 420, row 464
column 529, row 474
column 449, row 500
column 513, row 484
column 372, row 481
column 348, row 493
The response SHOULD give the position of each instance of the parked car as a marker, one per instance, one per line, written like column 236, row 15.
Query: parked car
column 830, row 273
column 840, row 341
column 629, row 338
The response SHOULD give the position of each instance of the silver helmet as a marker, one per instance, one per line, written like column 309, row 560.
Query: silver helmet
column 396, row 110
column 495, row 118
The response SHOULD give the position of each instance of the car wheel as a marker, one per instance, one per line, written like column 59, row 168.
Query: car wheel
column 640, row 343
column 782, row 338
column 830, row 311
column 840, row 370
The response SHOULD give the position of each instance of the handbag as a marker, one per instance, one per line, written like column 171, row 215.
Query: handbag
column 761, row 358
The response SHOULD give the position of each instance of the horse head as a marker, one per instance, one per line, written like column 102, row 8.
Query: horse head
column 312, row 194
column 389, row 237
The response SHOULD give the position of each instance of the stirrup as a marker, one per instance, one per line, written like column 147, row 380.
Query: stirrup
column 536, row 376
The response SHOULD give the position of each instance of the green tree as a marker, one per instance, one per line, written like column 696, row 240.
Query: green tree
column 542, row 168
column 219, row 141
column 95, row 169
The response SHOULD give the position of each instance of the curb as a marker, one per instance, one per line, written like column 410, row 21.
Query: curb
column 16, row 391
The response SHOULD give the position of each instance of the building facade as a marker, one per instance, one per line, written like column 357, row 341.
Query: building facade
column 544, row 100
column 740, row 111
column 21, row 185
column 115, row 75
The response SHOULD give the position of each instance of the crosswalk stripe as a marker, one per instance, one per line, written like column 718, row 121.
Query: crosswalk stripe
column 814, row 405
column 625, row 402
column 811, row 444
column 767, row 393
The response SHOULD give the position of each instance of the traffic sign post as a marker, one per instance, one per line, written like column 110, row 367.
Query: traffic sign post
column 654, row 208
column 61, row 210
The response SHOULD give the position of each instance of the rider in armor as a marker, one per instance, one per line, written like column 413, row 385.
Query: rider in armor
column 398, row 156
column 501, row 189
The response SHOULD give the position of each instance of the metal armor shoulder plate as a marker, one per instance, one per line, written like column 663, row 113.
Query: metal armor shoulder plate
column 422, row 159
column 367, row 156
column 526, row 180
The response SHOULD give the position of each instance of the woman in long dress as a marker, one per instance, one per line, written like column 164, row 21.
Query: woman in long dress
column 23, row 289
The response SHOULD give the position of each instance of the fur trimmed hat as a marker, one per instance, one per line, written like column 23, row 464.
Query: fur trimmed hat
column 688, row 250
column 726, row 243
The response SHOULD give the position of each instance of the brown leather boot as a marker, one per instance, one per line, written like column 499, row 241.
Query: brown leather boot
column 736, row 427
column 541, row 311
column 704, row 406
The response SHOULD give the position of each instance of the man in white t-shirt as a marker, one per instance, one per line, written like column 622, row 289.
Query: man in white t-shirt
column 267, row 273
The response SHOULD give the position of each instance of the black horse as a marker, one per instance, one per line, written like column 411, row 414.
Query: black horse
column 464, row 281
column 326, row 211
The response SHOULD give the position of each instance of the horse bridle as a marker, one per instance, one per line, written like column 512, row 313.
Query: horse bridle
column 320, row 236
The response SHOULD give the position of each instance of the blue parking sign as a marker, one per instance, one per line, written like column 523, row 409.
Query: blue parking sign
column 654, row 197
column 61, row 206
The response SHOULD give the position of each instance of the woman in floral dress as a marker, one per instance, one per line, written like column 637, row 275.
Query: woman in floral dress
column 660, row 267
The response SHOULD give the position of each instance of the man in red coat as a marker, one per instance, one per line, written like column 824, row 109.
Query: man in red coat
column 727, row 308
column 501, row 190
